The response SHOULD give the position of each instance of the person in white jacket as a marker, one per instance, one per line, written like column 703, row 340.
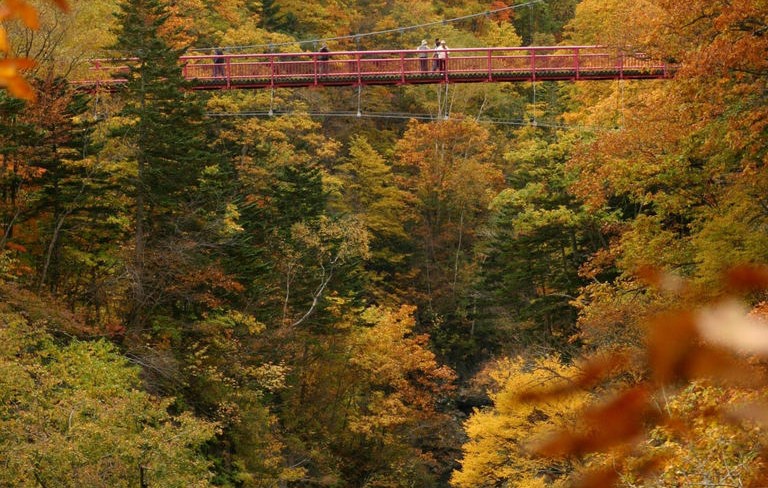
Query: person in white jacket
column 441, row 52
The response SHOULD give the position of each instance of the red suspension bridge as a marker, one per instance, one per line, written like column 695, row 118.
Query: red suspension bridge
column 399, row 67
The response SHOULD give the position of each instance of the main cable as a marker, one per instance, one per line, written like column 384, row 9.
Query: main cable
column 357, row 37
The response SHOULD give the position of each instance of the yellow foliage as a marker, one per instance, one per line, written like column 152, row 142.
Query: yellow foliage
column 74, row 416
column 621, row 23
column 405, row 376
column 499, row 437
column 249, row 33
column 501, row 34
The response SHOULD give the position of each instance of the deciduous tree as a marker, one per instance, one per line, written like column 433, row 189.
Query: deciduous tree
column 74, row 415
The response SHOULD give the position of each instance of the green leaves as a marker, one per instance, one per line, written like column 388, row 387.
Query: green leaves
column 74, row 415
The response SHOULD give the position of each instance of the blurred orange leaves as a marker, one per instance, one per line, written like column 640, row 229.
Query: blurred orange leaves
column 603, row 426
column 11, row 68
column 717, row 343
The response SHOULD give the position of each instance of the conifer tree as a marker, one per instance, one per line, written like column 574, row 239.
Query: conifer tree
column 273, row 19
column 62, row 141
column 13, row 131
column 167, row 135
column 536, row 241
column 371, row 193
column 297, row 195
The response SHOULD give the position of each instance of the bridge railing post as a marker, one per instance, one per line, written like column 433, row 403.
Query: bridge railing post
column 533, row 65
column 447, row 64
column 490, row 65
column 402, row 67
column 359, row 69
column 272, row 72
column 620, row 61
column 228, row 73
column 314, row 66
column 576, row 61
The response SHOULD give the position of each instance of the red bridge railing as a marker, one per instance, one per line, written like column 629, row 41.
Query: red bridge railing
column 393, row 67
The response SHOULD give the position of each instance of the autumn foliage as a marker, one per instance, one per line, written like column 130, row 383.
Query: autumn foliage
column 707, row 356
column 549, row 284
column 695, row 410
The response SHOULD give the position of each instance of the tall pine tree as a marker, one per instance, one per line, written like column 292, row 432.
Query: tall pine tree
column 166, row 131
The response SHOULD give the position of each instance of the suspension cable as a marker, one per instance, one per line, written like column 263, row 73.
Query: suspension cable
column 405, row 116
column 357, row 37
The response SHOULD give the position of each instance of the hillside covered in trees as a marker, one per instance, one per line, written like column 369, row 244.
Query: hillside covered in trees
column 526, row 285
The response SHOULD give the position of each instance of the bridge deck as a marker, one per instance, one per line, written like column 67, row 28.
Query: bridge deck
column 399, row 67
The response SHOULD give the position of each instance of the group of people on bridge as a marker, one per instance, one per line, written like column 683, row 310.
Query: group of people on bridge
column 440, row 54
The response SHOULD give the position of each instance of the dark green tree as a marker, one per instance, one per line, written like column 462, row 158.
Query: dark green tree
column 297, row 195
column 541, row 23
column 69, row 181
column 272, row 19
column 177, row 200
column 15, row 130
column 538, row 238
column 54, row 182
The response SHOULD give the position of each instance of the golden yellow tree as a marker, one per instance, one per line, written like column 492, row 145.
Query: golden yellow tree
column 496, row 453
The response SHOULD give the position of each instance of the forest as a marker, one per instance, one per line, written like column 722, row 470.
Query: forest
column 532, row 284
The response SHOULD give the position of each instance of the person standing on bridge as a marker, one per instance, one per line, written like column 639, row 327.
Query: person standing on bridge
column 423, row 56
column 441, row 52
column 218, row 63
column 435, row 61
column 323, row 59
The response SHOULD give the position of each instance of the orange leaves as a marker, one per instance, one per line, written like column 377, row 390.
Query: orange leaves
column 21, row 10
column 11, row 79
column 747, row 278
column 62, row 4
column 609, row 475
column 619, row 420
column 11, row 68
column 735, row 33
column 504, row 15
column 671, row 345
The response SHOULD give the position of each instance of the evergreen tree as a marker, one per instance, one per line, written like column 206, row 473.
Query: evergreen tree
column 14, row 131
column 167, row 133
column 537, row 239
column 371, row 193
column 63, row 141
column 297, row 195
column 543, row 22
column 272, row 19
